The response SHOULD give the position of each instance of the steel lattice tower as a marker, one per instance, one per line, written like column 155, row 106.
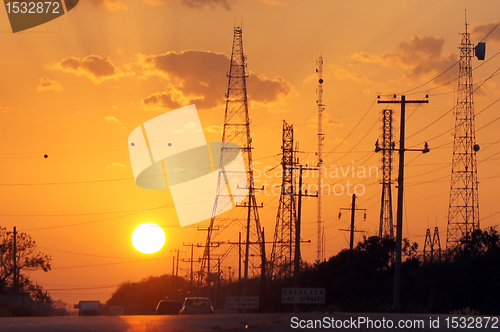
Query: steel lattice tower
column 386, row 227
column 463, row 213
column 282, row 255
column 237, row 131
column 431, row 245
column 321, row 138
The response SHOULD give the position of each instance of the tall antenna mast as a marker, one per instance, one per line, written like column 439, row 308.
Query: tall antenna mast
column 321, row 138
column 463, row 213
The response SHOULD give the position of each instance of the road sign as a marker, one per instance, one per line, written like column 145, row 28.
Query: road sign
column 303, row 295
column 242, row 302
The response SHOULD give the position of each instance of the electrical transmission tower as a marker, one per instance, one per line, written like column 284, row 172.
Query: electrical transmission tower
column 282, row 255
column 236, row 132
column 386, row 221
column 463, row 213
column 431, row 245
column 321, row 138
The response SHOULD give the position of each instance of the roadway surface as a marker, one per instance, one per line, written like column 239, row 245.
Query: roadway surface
column 229, row 322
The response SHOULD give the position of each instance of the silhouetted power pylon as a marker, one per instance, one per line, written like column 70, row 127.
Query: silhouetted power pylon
column 432, row 246
column 463, row 212
column 282, row 255
column 386, row 227
column 235, row 139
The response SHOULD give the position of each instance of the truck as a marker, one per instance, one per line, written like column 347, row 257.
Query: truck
column 89, row 308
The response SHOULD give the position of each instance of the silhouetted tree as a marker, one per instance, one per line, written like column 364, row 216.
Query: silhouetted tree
column 28, row 259
column 141, row 298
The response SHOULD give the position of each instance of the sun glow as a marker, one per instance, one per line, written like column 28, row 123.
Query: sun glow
column 148, row 238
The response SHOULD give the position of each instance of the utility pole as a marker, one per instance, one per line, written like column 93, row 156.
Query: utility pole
column 15, row 276
column 353, row 210
column 399, row 222
column 239, row 264
column 208, row 249
column 173, row 278
column 191, row 275
column 218, row 282
column 296, row 278
column 176, row 268
column 262, row 267
column 263, row 274
column 251, row 209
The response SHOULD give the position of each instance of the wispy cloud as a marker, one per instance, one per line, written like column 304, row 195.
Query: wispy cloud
column 116, row 165
column 114, row 120
column 479, row 31
column 273, row 3
column 213, row 129
column 327, row 121
column 110, row 5
column 46, row 84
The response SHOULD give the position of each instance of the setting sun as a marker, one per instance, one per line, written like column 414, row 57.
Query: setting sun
column 148, row 238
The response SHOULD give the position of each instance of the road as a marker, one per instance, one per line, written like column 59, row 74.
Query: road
column 239, row 322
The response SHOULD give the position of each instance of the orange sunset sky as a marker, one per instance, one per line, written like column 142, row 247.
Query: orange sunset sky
column 76, row 87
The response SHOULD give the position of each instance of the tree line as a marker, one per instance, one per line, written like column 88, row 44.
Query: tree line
column 464, row 280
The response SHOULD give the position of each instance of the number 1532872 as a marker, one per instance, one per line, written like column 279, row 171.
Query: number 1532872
column 39, row 7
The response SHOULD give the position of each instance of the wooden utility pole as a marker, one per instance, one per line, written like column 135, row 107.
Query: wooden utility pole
column 176, row 268
column 353, row 210
column 15, row 274
column 191, row 272
column 239, row 264
column 296, row 270
column 401, row 173
column 263, row 274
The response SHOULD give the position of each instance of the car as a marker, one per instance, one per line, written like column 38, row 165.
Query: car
column 168, row 307
column 197, row 306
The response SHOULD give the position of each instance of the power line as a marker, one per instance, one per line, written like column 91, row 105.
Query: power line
column 454, row 107
column 81, row 254
column 79, row 288
column 353, row 129
column 109, row 264
column 453, row 65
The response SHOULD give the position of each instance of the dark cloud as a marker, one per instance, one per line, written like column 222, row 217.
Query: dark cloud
column 266, row 90
column 479, row 31
column 200, row 77
column 93, row 66
column 161, row 99
column 422, row 56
